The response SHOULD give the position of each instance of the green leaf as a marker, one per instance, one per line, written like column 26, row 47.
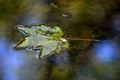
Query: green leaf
column 54, row 6
column 50, row 39
column 28, row 30
column 49, row 48
column 33, row 41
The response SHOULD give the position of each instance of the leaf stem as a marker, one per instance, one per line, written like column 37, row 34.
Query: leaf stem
column 82, row 39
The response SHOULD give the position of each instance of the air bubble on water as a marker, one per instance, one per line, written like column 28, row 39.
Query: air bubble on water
column 66, row 15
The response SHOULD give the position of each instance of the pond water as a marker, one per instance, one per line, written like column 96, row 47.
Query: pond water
column 84, row 60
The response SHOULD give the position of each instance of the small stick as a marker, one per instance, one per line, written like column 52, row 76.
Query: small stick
column 82, row 39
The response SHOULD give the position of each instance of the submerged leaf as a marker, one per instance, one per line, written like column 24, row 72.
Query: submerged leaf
column 50, row 39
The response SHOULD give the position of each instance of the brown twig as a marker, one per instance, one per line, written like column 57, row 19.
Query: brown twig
column 81, row 39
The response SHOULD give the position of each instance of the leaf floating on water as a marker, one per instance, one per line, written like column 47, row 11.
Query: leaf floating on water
column 49, row 48
column 49, row 39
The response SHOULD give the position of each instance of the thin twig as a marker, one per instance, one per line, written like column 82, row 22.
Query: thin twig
column 82, row 39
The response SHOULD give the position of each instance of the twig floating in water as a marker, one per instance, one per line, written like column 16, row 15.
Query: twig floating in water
column 82, row 39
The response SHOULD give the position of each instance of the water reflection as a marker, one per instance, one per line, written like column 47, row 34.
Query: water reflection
column 23, row 64
column 17, row 64
column 105, row 51
column 30, row 21
column 11, row 61
column 3, row 47
column 11, row 64
column 116, row 23
column 59, row 60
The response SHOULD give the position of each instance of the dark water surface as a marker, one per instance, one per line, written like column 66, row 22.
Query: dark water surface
column 84, row 60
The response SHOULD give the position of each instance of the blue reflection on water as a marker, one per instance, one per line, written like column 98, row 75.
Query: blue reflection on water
column 105, row 51
column 3, row 47
column 30, row 21
column 10, row 61
column 57, row 59
column 116, row 23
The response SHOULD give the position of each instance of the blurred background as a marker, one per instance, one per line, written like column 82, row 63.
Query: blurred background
column 84, row 60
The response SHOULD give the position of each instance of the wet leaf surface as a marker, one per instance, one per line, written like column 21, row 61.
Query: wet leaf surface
column 50, row 39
